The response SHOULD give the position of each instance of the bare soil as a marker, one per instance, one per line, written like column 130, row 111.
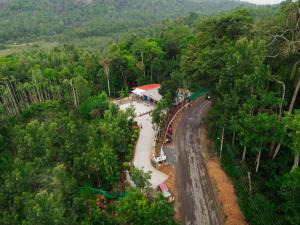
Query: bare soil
column 171, row 183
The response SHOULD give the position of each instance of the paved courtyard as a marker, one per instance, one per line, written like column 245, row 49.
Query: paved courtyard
column 139, row 107
column 142, row 157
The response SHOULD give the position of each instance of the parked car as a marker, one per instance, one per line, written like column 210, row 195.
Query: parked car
column 207, row 97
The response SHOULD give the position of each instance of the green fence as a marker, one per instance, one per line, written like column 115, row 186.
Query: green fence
column 102, row 192
column 197, row 94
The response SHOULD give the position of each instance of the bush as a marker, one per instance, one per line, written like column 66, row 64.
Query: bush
column 126, row 166
column 94, row 106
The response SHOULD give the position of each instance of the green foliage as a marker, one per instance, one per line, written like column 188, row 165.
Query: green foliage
column 99, row 218
column 136, row 209
column 252, row 130
column 59, row 131
column 204, row 60
column 56, row 152
column 247, row 67
column 140, row 178
column 290, row 191
column 292, row 122
column 45, row 208
column 170, row 87
column 159, row 112
column 100, row 103
column 27, row 20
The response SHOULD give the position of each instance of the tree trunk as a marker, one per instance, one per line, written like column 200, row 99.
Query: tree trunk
column 271, row 148
column 280, row 115
column 108, row 82
column 222, row 141
column 13, row 92
column 249, row 180
column 233, row 138
column 7, row 107
column 124, row 79
column 296, row 161
column 12, row 99
column 282, row 97
column 74, row 95
column 244, row 153
column 257, row 161
column 277, row 149
column 291, row 107
column 98, row 179
column 142, row 56
column 292, row 103
column 151, row 74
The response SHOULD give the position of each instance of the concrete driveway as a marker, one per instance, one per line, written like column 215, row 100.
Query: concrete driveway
column 145, row 144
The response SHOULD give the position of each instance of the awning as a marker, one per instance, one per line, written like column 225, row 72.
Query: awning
column 163, row 187
column 138, row 91
column 153, row 94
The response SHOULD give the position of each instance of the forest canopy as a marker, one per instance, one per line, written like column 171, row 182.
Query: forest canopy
column 59, row 130
column 26, row 21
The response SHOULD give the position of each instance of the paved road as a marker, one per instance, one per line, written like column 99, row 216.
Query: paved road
column 197, row 201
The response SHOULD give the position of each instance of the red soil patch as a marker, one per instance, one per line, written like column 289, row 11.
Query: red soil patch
column 171, row 183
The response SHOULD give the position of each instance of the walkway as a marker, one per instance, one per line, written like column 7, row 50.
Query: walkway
column 142, row 157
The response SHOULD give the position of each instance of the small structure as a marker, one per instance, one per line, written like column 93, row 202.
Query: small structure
column 166, row 192
column 182, row 94
column 160, row 159
column 147, row 93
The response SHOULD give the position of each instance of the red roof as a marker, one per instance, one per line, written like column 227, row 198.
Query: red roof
column 163, row 187
column 148, row 87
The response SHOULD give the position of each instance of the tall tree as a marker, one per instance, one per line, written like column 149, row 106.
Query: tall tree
column 292, row 122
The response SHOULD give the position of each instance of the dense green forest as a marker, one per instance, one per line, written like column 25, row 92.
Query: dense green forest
column 25, row 21
column 251, row 68
column 59, row 130
column 59, row 133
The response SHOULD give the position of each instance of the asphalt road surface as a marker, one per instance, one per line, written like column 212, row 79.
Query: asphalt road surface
column 198, row 204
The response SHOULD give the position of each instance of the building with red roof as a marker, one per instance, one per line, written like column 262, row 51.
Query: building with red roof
column 148, row 92
column 148, row 87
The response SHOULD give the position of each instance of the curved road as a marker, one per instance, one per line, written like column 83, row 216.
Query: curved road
column 198, row 205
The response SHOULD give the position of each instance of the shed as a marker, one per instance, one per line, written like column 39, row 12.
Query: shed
column 153, row 94
column 163, row 187
column 148, row 92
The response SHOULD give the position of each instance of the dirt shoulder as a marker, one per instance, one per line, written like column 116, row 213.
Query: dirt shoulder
column 171, row 183
column 222, row 184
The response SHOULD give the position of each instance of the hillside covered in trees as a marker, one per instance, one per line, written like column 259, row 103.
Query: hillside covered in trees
column 29, row 20
column 59, row 130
